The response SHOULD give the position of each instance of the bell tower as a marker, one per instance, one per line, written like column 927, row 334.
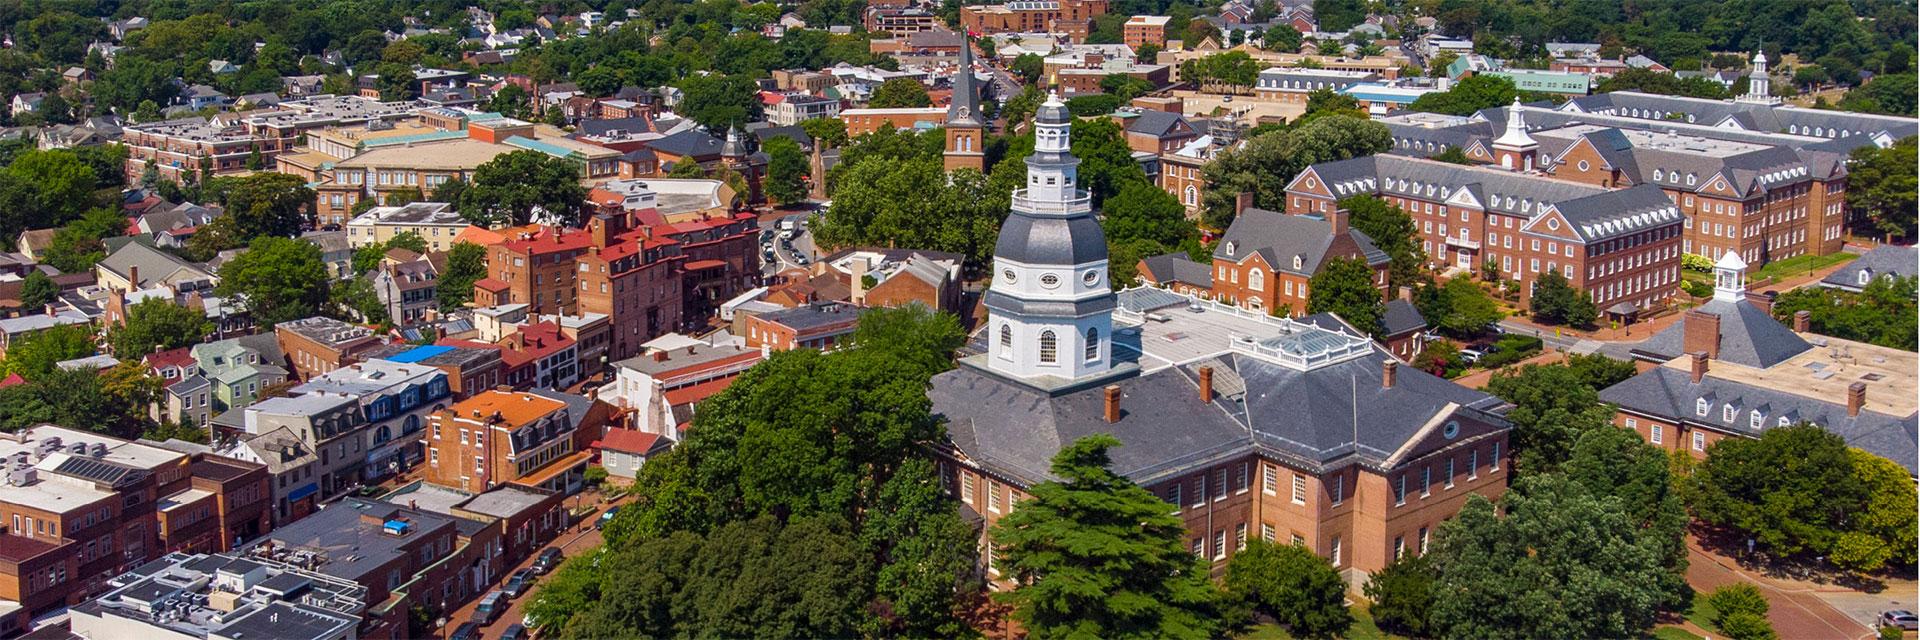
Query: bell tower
column 1514, row 149
column 966, row 128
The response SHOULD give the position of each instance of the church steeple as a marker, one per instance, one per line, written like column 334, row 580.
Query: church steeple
column 1050, row 302
column 966, row 128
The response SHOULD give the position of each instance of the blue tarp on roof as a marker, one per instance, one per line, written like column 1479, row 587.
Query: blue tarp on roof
column 417, row 354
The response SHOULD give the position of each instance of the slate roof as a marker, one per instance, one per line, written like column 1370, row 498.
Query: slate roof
column 1670, row 393
column 1887, row 260
column 1310, row 417
column 155, row 265
column 1177, row 267
column 1749, row 115
column 1401, row 317
column 690, row 143
column 1748, row 336
column 1278, row 237
column 1029, row 239
column 1620, row 212
column 1154, row 123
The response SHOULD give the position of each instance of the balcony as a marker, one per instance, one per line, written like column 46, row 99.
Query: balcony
column 1464, row 243
column 1080, row 202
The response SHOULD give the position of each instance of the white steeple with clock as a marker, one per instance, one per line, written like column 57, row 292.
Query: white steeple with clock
column 1050, row 304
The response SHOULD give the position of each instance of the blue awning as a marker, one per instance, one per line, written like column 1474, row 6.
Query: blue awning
column 304, row 491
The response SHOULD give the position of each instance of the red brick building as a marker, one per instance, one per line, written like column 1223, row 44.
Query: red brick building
column 503, row 437
column 822, row 326
column 320, row 344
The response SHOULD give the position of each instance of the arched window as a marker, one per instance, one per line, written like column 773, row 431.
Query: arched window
column 412, row 424
column 1256, row 278
column 1093, row 344
column 1006, row 341
column 1047, row 346
column 383, row 434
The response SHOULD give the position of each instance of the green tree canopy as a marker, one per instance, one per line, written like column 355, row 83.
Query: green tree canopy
column 719, row 101
column 268, row 204
column 1293, row 585
column 1799, row 490
column 33, row 355
column 912, row 203
column 1468, row 96
column 1556, row 301
column 1402, row 595
column 1881, row 189
column 37, row 290
column 1882, row 313
column 466, row 263
column 277, row 280
column 154, row 325
column 1270, row 160
column 787, row 170
column 515, row 186
column 1553, row 407
column 1097, row 556
column 898, row 93
column 1390, row 229
column 1344, row 287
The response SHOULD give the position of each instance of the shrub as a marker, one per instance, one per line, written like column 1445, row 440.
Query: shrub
column 1692, row 262
column 1696, row 289
column 1512, row 348
column 1735, row 599
column 1747, row 626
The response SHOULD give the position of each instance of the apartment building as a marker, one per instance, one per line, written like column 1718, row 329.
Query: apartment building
column 358, row 420
column 399, row 556
column 796, row 108
column 863, row 121
column 80, row 508
column 426, row 164
column 1292, row 84
column 1140, row 31
column 534, row 266
column 435, row 222
column 1072, row 17
column 1622, row 246
column 662, row 386
column 1266, row 259
column 469, row 370
column 822, row 326
column 496, row 438
column 224, row 143
column 319, row 344
column 633, row 280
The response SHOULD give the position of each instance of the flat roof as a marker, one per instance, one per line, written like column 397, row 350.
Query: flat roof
column 461, row 154
column 1175, row 334
column 1825, row 371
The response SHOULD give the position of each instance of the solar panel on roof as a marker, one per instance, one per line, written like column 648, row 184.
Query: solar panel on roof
column 95, row 470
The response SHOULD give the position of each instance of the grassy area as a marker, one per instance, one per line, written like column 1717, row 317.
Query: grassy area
column 1800, row 265
column 1674, row 633
column 1363, row 629
column 1702, row 613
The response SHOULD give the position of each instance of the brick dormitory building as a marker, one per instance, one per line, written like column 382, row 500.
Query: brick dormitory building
column 1248, row 424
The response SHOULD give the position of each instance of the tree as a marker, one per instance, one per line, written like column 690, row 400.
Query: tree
column 1269, row 161
column 268, row 204
column 1468, row 96
column 1402, row 595
column 911, row 203
column 513, row 187
column 1555, row 301
column 466, row 263
column 1096, row 556
column 218, row 235
column 1881, row 188
column 76, row 247
column 1560, row 562
column 1028, row 67
column 600, row 81
column 831, row 132
column 1650, row 81
column 1293, row 585
column 1553, row 407
column 1125, row 87
column 719, row 101
column 898, row 93
column 1453, row 154
column 1282, row 38
column 1466, row 309
column 277, row 280
column 1884, row 529
column 1617, row 463
column 1791, row 489
column 512, row 101
column 1891, row 94
column 787, row 170
column 154, row 325
column 33, row 356
column 354, row 300
column 37, row 290
column 1740, row 612
column 1390, row 229
column 44, row 188
column 1339, row 15
column 1344, row 287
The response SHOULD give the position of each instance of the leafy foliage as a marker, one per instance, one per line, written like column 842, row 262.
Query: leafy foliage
column 786, row 170
column 466, row 263
column 154, row 325
column 913, row 203
column 1468, row 96
column 37, row 290
column 1344, row 287
column 1097, row 556
column 1882, row 313
column 1554, row 406
column 897, row 93
column 267, row 204
column 1293, row 585
column 1650, row 81
column 1390, row 229
column 1555, row 301
column 511, row 188
column 1881, row 189
column 1270, row 160
column 1402, row 595
column 277, row 280
column 1799, row 490
column 33, row 355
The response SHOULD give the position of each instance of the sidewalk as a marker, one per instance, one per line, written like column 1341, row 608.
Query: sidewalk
column 1795, row 609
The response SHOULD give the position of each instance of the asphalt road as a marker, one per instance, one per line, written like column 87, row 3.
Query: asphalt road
column 579, row 539
column 802, row 243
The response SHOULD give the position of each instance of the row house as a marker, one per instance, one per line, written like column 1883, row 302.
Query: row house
column 80, row 508
column 356, row 420
column 496, row 438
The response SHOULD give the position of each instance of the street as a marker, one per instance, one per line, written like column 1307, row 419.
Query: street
column 784, row 255
column 576, row 540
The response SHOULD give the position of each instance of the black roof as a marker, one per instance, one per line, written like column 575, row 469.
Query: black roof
column 1748, row 336
column 693, row 143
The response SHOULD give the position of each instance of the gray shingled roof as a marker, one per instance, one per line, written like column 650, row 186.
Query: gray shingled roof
column 1310, row 417
column 1670, row 393
column 1888, row 260
column 1278, row 237
column 1401, row 317
column 1177, row 267
column 1620, row 212
column 1748, row 336
column 1154, row 123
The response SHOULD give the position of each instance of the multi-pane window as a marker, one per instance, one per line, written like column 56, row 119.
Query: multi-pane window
column 1048, row 346
column 1400, row 490
column 1299, row 489
column 1269, row 479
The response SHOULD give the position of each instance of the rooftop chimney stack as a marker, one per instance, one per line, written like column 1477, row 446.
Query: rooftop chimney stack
column 1389, row 373
column 1112, row 403
column 1701, row 333
column 1856, row 398
column 859, row 280
column 1802, row 321
column 1206, row 384
column 1337, row 222
column 1699, row 370
column 1242, row 202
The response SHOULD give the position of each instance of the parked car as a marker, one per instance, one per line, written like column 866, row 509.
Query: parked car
column 1471, row 356
column 1901, row 619
column 518, row 583
column 606, row 518
column 466, row 631
column 548, row 560
column 491, row 606
column 514, row 632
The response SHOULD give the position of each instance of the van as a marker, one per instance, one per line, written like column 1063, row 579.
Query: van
column 491, row 606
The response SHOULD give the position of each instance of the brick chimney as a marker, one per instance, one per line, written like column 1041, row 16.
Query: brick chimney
column 1699, row 369
column 660, row 356
column 1856, row 398
column 1802, row 321
column 1702, row 333
column 1112, row 412
column 1242, row 202
column 133, row 277
column 1389, row 373
column 1337, row 222
column 1206, row 384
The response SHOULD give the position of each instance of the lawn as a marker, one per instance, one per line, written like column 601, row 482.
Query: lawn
column 1674, row 633
column 1702, row 613
column 1800, row 265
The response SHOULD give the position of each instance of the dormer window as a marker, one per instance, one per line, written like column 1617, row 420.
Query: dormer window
column 1865, row 277
column 1701, row 406
column 1783, row 421
column 1297, row 263
column 1230, row 248
column 1755, row 419
column 1727, row 413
